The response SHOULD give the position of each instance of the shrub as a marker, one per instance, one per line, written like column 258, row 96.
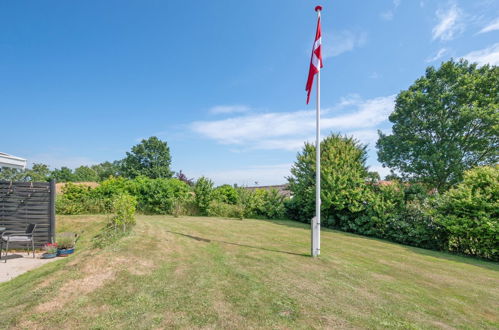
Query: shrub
column 343, row 175
column 203, row 190
column 250, row 200
column 226, row 194
column 221, row 209
column 470, row 213
column 157, row 196
column 79, row 199
column 272, row 204
column 124, row 207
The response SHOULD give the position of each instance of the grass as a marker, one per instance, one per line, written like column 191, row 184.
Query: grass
column 195, row 272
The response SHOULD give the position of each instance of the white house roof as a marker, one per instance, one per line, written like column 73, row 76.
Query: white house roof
column 7, row 160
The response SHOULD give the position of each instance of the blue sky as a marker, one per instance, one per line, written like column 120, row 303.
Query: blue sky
column 221, row 81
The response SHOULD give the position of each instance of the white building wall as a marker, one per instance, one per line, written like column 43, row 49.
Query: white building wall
column 10, row 161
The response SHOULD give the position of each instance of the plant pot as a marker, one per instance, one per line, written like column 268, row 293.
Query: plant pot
column 65, row 252
column 49, row 255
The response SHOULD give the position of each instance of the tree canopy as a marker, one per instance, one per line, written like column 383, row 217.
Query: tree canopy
column 443, row 124
column 149, row 158
column 343, row 179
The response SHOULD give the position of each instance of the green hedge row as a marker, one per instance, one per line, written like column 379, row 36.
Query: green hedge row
column 465, row 219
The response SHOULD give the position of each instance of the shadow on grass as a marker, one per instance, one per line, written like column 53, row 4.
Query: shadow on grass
column 206, row 240
column 478, row 262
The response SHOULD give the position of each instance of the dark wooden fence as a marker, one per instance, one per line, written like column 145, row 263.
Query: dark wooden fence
column 29, row 202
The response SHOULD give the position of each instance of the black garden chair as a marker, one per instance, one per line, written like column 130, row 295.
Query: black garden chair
column 18, row 237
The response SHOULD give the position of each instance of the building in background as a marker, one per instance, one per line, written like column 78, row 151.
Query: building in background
column 10, row 161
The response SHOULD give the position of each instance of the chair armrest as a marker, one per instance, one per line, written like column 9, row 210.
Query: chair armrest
column 15, row 232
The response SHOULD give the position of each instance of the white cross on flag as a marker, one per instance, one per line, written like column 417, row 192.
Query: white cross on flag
column 316, row 60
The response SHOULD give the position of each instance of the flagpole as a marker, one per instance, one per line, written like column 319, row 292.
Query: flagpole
column 316, row 224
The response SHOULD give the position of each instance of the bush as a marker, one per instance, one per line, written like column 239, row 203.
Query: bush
column 124, row 207
column 470, row 213
column 343, row 176
column 203, row 190
column 226, row 194
column 221, row 209
column 79, row 199
column 272, row 204
column 157, row 196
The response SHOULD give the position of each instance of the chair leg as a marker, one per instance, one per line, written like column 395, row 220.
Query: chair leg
column 1, row 249
column 6, row 250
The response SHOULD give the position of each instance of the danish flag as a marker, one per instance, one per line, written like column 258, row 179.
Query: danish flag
column 316, row 60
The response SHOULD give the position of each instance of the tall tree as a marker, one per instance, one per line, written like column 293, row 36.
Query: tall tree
column 85, row 174
column 107, row 169
column 343, row 180
column 445, row 123
column 150, row 158
column 64, row 174
column 38, row 172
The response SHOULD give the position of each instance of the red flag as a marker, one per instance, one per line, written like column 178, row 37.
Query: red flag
column 316, row 59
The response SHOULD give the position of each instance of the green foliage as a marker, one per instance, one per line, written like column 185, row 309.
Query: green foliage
column 399, row 213
column 64, row 174
column 271, row 205
column 470, row 213
column 106, row 170
column 80, row 199
column 150, row 158
column 226, row 194
column 85, row 174
column 203, row 190
column 124, row 207
column 11, row 174
column 343, row 175
column 157, row 196
column 250, row 200
column 37, row 173
column 445, row 123
column 221, row 209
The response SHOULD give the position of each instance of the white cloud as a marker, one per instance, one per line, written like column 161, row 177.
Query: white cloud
column 227, row 109
column 341, row 42
column 248, row 176
column 289, row 130
column 449, row 23
column 389, row 14
column 489, row 55
column 493, row 26
column 437, row 56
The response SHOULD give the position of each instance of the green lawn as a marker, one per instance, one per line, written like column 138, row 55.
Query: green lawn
column 220, row 273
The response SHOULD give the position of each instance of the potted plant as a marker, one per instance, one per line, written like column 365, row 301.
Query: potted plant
column 50, row 251
column 65, row 244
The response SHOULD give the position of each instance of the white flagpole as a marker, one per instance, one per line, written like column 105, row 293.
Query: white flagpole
column 316, row 222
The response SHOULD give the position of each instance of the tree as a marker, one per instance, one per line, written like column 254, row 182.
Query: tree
column 64, row 174
column 203, row 190
column 38, row 172
column 11, row 174
column 470, row 213
column 150, row 158
column 343, row 180
column 85, row 174
column 107, row 169
column 445, row 123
